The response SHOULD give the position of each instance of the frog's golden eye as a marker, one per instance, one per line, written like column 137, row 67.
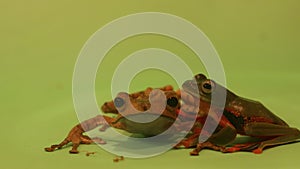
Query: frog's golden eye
column 172, row 101
column 207, row 86
column 119, row 102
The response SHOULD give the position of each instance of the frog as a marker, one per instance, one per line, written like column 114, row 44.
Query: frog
column 136, row 105
column 239, row 116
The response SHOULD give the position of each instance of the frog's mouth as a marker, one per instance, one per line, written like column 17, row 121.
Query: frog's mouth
column 144, row 117
column 191, row 88
column 194, row 99
column 190, row 97
column 148, row 129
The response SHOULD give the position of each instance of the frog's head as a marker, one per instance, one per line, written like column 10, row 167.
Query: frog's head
column 147, row 113
column 154, row 102
column 199, row 87
column 202, row 88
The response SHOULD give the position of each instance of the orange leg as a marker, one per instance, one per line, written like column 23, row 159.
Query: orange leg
column 76, row 136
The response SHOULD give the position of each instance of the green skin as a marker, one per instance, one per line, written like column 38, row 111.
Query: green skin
column 240, row 116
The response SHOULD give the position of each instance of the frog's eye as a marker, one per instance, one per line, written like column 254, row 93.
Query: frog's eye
column 207, row 86
column 119, row 102
column 172, row 101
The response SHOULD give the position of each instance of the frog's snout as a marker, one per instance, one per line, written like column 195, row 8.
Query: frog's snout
column 190, row 85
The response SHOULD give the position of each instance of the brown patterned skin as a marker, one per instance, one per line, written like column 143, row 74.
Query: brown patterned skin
column 125, row 105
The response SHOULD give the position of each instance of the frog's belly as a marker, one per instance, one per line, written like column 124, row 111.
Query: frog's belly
column 148, row 129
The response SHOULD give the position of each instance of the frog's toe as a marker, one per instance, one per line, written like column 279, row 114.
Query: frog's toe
column 73, row 151
column 231, row 150
column 74, row 148
column 258, row 151
column 52, row 148
column 194, row 153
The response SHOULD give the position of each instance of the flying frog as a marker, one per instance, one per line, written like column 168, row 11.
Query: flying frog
column 239, row 116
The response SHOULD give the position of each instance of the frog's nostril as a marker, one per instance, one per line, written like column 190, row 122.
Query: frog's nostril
column 172, row 101
column 119, row 102
column 145, row 108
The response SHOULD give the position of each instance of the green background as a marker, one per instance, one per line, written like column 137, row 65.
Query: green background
column 258, row 43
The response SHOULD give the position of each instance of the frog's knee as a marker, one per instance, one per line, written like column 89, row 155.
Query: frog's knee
column 224, row 137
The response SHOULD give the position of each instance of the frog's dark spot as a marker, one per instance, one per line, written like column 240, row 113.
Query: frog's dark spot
column 145, row 108
column 237, row 121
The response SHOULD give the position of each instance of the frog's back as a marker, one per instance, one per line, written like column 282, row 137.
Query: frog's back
column 259, row 113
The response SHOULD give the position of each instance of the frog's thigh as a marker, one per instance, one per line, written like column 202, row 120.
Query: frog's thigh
column 225, row 136
column 268, row 129
column 281, row 134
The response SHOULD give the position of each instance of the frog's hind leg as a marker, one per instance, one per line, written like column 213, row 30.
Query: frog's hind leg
column 218, row 140
column 242, row 147
column 278, row 134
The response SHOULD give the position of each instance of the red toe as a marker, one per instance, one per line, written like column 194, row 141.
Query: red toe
column 257, row 151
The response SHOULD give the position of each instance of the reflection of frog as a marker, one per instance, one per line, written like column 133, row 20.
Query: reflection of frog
column 137, row 106
column 240, row 116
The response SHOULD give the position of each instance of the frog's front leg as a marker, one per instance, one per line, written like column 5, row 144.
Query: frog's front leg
column 218, row 140
column 275, row 134
column 76, row 136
